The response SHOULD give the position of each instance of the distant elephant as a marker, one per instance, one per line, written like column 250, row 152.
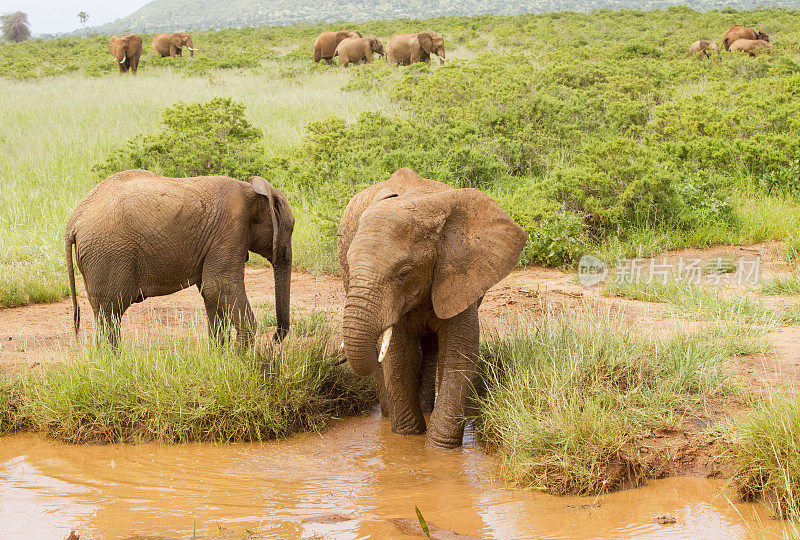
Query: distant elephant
column 742, row 32
column 172, row 44
column 417, row 256
column 326, row 43
column 703, row 48
column 752, row 47
column 126, row 50
column 406, row 49
column 138, row 234
column 358, row 50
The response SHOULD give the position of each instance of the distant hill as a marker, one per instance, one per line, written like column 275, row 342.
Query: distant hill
column 161, row 15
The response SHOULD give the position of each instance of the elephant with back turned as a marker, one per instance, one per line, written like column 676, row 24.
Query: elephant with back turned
column 703, row 48
column 358, row 50
column 737, row 32
column 326, row 43
column 126, row 51
column 417, row 256
column 406, row 49
column 172, row 44
column 138, row 234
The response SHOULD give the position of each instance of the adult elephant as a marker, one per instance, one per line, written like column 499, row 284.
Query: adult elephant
column 172, row 44
column 326, row 43
column 139, row 234
column 753, row 47
column 358, row 50
column 405, row 49
column 126, row 51
column 417, row 256
column 704, row 48
column 737, row 32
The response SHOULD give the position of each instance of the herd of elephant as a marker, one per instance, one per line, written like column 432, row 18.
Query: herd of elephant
column 416, row 256
column 736, row 39
column 350, row 47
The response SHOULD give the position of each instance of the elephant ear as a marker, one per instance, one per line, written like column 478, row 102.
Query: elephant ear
column 280, row 214
column 479, row 246
column 426, row 41
column 175, row 40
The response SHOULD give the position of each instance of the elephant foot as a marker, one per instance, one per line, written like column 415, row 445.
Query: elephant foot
column 445, row 434
column 412, row 430
column 412, row 426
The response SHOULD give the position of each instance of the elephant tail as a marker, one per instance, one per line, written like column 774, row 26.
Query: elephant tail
column 69, row 241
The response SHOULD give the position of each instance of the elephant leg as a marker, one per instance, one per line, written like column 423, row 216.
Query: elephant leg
column 226, row 299
column 427, row 375
column 330, row 61
column 401, row 368
column 108, row 316
column 458, row 363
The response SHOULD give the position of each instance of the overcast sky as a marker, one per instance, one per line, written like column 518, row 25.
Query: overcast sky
column 51, row 16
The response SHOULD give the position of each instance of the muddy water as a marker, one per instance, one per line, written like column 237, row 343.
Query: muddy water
column 346, row 483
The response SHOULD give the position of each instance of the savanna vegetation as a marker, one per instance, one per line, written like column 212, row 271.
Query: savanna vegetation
column 594, row 131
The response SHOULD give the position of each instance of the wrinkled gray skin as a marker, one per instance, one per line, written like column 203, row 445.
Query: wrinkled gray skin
column 139, row 234
column 417, row 256
column 126, row 51
column 326, row 43
column 703, row 48
column 406, row 49
column 358, row 50
column 172, row 44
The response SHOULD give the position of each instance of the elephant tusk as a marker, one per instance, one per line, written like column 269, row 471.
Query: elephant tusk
column 341, row 349
column 387, row 338
column 123, row 59
column 191, row 49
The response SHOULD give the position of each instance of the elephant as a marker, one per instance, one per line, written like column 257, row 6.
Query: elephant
column 752, row 47
column 138, row 234
column 704, row 48
column 358, row 50
column 326, row 43
column 126, row 50
column 405, row 49
column 741, row 32
column 417, row 257
column 172, row 44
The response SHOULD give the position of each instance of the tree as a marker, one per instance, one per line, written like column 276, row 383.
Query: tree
column 83, row 17
column 16, row 27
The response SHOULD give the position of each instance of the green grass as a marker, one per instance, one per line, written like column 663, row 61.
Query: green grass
column 186, row 390
column 782, row 285
column 568, row 397
column 703, row 303
column 766, row 451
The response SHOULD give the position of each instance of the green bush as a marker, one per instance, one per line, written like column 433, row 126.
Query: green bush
column 212, row 138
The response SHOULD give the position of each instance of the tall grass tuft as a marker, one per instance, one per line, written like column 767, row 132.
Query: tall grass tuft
column 788, row 285
column 186, row 391
column 565, row 399
column 767, row 454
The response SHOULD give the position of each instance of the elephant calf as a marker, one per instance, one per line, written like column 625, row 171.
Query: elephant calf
column 752, row 47
column 358, row 50
column 703, row 48
column 139, row 234
column 417, row 256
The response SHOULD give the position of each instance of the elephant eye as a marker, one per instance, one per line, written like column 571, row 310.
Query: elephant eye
column 404, row 271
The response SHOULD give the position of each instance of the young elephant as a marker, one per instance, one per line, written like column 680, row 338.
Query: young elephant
column 139, row 234
column 417, row 256
column 752, row 47
column 172, row 44
column 326, row 43
column 358, row 50
column 737, row 32
column 704, row 48
column 406, row 49
column 126, row 50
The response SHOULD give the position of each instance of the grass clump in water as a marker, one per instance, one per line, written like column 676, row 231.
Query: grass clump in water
column 767, row 455
column 190, row 391
column 566, row 399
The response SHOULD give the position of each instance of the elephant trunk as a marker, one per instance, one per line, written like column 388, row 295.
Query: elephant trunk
column 361, row 326
column 283, row 278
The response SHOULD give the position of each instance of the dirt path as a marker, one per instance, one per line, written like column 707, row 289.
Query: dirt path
column 42, row 333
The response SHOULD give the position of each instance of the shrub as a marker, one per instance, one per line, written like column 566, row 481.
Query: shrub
column 198, row 139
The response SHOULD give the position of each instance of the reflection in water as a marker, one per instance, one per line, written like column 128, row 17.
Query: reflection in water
column 345, row 483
